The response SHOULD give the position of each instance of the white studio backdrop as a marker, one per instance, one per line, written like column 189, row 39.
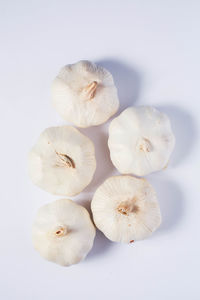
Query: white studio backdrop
column 152, row 49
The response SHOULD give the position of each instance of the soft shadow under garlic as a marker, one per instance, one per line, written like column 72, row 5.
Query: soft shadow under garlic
column 104, row 168
column 171, row 200
column 101, row 243
column 86, row 202
column 185, row 131
column 127, row 81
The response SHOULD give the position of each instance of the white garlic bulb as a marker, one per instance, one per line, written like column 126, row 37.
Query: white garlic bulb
column 140, row 140
column 126, row 209
column 85, row 94
column 63, row 161
column 63, row 232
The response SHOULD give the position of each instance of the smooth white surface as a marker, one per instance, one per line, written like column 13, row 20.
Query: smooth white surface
column 152, row 48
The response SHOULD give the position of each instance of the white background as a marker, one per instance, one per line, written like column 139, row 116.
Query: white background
column 152, row 49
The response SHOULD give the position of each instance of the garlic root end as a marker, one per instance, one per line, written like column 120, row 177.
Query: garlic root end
column 127, row 207
column 145, row 145
column 89, row 91
column 61, row 231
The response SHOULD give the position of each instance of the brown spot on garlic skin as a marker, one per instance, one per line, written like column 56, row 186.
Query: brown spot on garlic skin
column 68, row 161
column 132, row 241
column 89, row 91
column 145, row 145
column 127, row 207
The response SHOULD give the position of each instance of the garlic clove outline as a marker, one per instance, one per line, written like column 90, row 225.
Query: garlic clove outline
column 63, row 232
column 85, row 94
column 62, row 161
column 125, row 209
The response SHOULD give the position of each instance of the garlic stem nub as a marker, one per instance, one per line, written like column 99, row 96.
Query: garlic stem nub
column 145, row 145
column 88, row 92
column 127, row 207
column 68, row 161
column 61, row 231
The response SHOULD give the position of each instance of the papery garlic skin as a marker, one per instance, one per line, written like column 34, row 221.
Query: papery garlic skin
column 125, row 209
column 63, row 232
column 85, row 94
column 140, row 140
column 62, row 161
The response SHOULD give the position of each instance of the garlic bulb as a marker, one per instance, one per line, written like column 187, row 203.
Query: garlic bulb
column 140, row 140
column 63, row 232
column 84, row 94
column 63, row 161
column 125, row 209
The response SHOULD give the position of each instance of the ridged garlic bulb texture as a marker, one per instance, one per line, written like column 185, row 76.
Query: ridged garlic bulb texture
column 140, row 140
column 63, row 232
column 84, row 94
column 126, row 209
column 62, row 161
